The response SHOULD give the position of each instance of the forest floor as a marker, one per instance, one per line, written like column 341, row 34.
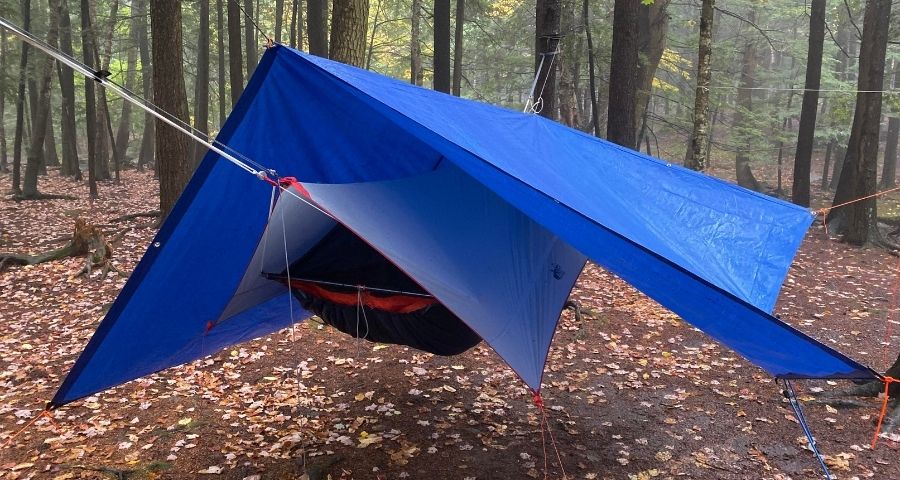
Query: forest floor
column 632, row 392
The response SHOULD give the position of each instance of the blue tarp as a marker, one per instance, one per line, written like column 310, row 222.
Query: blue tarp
column 492, row 211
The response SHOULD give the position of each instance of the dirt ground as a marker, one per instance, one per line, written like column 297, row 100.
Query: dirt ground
column 632, row 391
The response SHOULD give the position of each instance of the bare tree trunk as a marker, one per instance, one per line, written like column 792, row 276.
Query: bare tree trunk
column 889, row 171
column 370, row 49
column 106, row 145
column 68, row 128
column 827, row 163
column 416, row 74
column 299, row 8
column 546, row 48
column 123, row 132
column 858, row 221
column 250, row 38
column 805, row 137
column 220, row 71
column 90, row 97
column 348, row 31
column 569, row 65
column 201, row 87
column 621, row 124
column 317, row 27
column 458, row 46
column 235, row 61
column 33, row 112
column 20, row 104
column 279, row 19
column 39, row 130
column 653, row 21
column 4, row 166
column 173, row 149
column 592, row 75
column 146, row 155
column 51, row 156
column 696, row 158
column 743, row 172
column 442, row 46
column 295, row 8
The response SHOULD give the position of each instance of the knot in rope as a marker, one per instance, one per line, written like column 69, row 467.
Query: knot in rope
column 537, row 399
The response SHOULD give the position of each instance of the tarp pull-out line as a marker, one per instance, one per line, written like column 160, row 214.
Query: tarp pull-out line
column 801, row 419
column 102, row 77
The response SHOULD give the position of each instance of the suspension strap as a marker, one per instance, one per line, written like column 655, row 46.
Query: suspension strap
column 798, row 412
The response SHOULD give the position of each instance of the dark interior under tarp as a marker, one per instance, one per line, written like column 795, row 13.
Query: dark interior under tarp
column 353, row 288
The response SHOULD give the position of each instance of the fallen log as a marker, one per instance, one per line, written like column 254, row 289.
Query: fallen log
column 86, row 240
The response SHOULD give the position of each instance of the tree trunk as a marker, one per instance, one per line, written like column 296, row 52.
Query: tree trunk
column 348, row 31
column 889, row 171
column 295, row 7
column 279, row 19
column 441, row 78
column 201, row 87
column 173, row 149
column 220, row 71
column 32, row 109
column 90, row 97
column 299, row 8
column 621, row 124
column 858, row 221
column 696, row 158
column 20, row 104
column 546, row 48
column 416, row 74
column 4, row 166
column 653, row 22
column 106, row 144
column 250, row 38
column 39, row 128
column 123, row 132
column 317, row 27
column 592, row 76
column 458, row 47
column 829, row 149
column 235, row 61
column 68, row 128
column 51, row 156
column 743, row 172
column 370, row 49
column 569, row 65
column 146, row 155
column 805, row 137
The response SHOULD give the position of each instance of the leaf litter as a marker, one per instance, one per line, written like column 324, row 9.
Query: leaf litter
column 632, row 391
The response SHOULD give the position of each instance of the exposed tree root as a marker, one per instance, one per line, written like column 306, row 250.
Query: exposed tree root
column 842, row 397
column 132, row 216
column 892, row 417
column 870, row 389
column 43, row 196
column 87, row 240
column 581, row 312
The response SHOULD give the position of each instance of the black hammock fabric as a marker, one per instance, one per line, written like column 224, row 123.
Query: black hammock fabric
column 342, row 258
